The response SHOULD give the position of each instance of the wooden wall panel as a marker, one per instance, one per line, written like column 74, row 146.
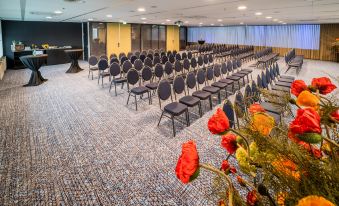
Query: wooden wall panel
column 328, row 34
column 308, row 53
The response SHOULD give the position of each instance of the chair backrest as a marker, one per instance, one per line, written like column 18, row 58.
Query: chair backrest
column 126, row 66
column 248, row 96
column 122, row 54
column 178, row 57
column 144, row 52
column 263, row 80
column 277, row 69
column 114, row 69
column 114, row 59
column 129, row 55
column 184, row 55
column 240, row 108
column 148, row 62
column 92, row 61
column 259, row 81
column 268, row 76
column 210, row 58
column 164, row 90
column 217, row 71
column 205, row 59
column 103, row 57
column 200, row 61
column 158, row 71
column 133, row 58
column 189, row 55
column 177, row 66
column 239, row 63
column 171, row 58
column 234, row 64
column 138, row 64
column 210, row 74
column 149, row 55
column 113, row 55
column 156, row 54
column 255, row 92
column 164, row 59
column 201, row 76
column 174, row 52
column 132, row 77
column 224, row 68
column 123, row 59
column 274, row 70
column 194, row 63
column 168, row 68
column 191, row 81
column 142, row 57
column 271, row 74
column 146, row 73
column 156, row 60
column 102, row 64
column 229, row 111
column 162, row 54
column 186, row 64
column 150, row 51
column 137, row 54
column 229, row 66
column 178, row 85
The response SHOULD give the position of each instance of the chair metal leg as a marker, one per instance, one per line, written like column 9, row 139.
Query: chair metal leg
column 110, row 87
column 200, row 110
column 173, row 125
column 149, row 98
column 219, row 97
column 115, row 88
column 187, row 118
column 102, row 81
column 210, row 99
column 136, row 102
column 129, row 94
column 162, row 113
column 98, row 78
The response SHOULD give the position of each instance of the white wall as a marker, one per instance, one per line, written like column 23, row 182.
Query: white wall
column 1, row 48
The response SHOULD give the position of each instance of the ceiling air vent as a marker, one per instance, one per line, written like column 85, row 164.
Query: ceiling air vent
column 72, row 0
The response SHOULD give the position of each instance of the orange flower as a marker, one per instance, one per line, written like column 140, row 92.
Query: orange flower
column 263, row 123
column 307, row 99
column 188, row 163
column 256, row 107
column 218, row 123
column 313, row 200
column 281, row 198
column 287, row 167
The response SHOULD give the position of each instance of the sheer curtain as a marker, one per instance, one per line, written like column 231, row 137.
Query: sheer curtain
column 1, row 48
column 286, row 36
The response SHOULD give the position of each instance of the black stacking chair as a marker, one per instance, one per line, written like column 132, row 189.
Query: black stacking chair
column 114, row 59
column 133, row 79
column 244, row 71
column 177, row 57
column 164, row 59
column 156, row 54
column 147, row 75
column 216, row 83
column 171, row 58
column 184, row 55
column 122, row 54
column 129, row 55
column 115, row 73
column 172, row 109
column 175, row 52
column 142, row 57
column 162, row 54
column 148, row 62
column 178, row 68
column 103, row 57
column 237, row 74
column 150, row 51
column 200, row 62
column 126, row 66
column 186, row 65
column 224, row 79
column 156, row 60
column 179, row 88
column 240, row 107
column 149, row 55
column 123, row 59
column 210, row 59
column 144, row 52
column 138, row 65
column 206, row 61
column 112, row 55
column 248, row 96
column 102, row 66
column 169, row 71
column 189, row 55
column 137, row 54
column 158, row 72
column 191, row 83
column 194, row 64
column 209, row 77
column 133, row 58
column 264, row 81
column 259, row 82
column 92, row 65
column 229, row 111
column 232, row 77
column 255, row 92
column 281, row 77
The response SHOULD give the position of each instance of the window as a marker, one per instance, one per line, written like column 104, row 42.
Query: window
column 97, row 34
column 145, row 37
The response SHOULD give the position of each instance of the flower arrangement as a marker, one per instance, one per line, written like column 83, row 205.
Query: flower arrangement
column 291, row 163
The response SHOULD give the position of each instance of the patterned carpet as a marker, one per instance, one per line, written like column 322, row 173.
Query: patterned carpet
column 71, row 142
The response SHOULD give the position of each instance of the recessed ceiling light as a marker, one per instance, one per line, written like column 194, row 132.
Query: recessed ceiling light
column 58, row 12
column 90, row 19
column 168, row 20
column 241, row 22
column 284, row 23
column 143, row 18
column 144, row 22
column 219, row 20
column 242, row 7
column 48, row 17
column 212, row 24
column 275, row 19
column 186, row 22
column 124, row 22
column 268, row 17
column 281, row 22
column 200, row 23
column 258, row 13
column 141, row 9
column 109, row 16
column 162, row 23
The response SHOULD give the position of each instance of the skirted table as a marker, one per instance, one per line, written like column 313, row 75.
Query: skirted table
column 74, row 55
column 34, row 63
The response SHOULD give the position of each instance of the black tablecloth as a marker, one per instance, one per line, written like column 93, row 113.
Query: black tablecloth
column 34, row 63
column 74, row 55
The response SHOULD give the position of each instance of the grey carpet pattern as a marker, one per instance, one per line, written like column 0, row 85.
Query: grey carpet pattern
column 71, row 142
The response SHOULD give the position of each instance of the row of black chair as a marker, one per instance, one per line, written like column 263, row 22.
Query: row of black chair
column 294, row 61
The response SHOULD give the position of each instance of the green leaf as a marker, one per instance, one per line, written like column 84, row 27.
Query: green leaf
column 311, row 138
column 195, row 174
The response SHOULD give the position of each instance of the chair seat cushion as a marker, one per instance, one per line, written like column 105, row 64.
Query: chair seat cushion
column 287, row 77
column 272, row 107
column 235, row 78
column 239, row 74
column 94, row 68
column 120, row 80
column 227, row 81
column 275, row 116
column 139, row 90
column 283, row 84
column 201, row 94
column 175, row 108
column 280, row 88
column 211, row 89
column 152, row 86
column 245, row 72
column 105, row 74
column 189, row 101
column 220, row 85
column 285, row 80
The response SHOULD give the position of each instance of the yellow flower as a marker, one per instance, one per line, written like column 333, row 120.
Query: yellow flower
column 281, row 196
column 263, row 123
column 314, row 200
column 307, row 99
column 243, row 160
column 287, row 167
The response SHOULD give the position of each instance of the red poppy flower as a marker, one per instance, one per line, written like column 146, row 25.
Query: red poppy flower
column 219, row 122
column 227, row 168
column 297, row 87
column 256, row 107
column 323, row 84
column 229, row 142
column 252, row 198
column 335, row 115
column 307, row 120
column 314, row 151
column 188, row 162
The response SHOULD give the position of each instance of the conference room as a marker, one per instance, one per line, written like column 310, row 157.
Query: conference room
column 197, row 102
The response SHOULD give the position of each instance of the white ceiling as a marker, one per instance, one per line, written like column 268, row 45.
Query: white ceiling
column 195, row 12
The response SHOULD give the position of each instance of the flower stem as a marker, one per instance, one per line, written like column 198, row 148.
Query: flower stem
column 244, row 138
column 222, row 174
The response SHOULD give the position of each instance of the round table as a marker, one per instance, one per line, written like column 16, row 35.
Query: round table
column 74, row 55
column 34, row 63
